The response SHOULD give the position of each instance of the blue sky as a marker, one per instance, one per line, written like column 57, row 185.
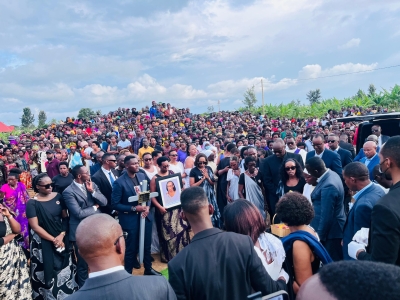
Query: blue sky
column 60, row 56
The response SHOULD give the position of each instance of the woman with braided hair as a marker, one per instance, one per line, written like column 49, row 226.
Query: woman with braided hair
column 52, row 269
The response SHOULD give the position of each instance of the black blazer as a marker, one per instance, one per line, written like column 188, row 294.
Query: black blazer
column 348, row 147
column 345, row 156
column 384, row 233
column 118, row 285
column 105, row 187
column 123, row 189
column 219, row 265
column 269, row 168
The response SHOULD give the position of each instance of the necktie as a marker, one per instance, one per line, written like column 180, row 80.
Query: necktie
column 84, row 190
column 111, row 178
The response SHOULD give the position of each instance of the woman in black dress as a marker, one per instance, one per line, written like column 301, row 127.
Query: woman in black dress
column 202, row 175
column 292, row 179
column 52, row 270
column 62, row 180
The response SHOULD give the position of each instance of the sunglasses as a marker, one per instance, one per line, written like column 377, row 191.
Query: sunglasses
column 331, row 141
column 290, row 143
column 202, row 163
column 173, row 155
column 147, row 159
column 375, row 130
column 290, row 168
column 113, row 160
column 46, row 186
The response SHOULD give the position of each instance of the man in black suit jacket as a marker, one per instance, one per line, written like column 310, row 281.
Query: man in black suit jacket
column 382, row 139
column 216, row 264
column 270, row 167
column 104, row 250
column 129, row 214
column 345, row 155
column 384, row 233
column 105, row 178
column 327, row 199
column 344, row 143
column 97, row 166
column 82, row 198
column 331, row 159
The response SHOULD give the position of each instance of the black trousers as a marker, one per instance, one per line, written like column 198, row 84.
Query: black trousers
column 334, row 248
column 132, row 246
column 81, row 268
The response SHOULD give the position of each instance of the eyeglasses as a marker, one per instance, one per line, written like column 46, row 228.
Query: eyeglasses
column 290, row 168
column 317, row 145
column 124, row 234
column 380, row 169
column 46, row 186
column 202, row 163
column 331, row 141
column 147, row 159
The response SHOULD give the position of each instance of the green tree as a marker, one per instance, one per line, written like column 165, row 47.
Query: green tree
column 314, row 96
column 42, row 119
column 27, row 118
column 249, row 98
column 98, row 112
column 85, row 113
column 53, row 121
column 371, row 90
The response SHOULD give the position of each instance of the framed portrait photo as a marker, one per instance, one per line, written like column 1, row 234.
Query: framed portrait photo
column 169, row 190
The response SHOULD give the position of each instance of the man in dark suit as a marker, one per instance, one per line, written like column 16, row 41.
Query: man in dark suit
column 344, row 143
column 216, row 264
column 270, row 167
column 82, row 198
column 327, row 199
column 330, row 158
column 345, row 155
column 97, row 166
column 129, row 214
column 361, row 153
column 367, row 194
column 371, row 158
column 382, row 139
column 384, row 233
column 105, row 178
column 104, row 250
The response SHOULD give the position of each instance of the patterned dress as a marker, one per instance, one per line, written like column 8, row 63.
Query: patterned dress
column 14, row 274
column 173, row 232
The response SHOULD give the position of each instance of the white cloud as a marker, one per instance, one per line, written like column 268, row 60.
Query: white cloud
column 350, row 44
column 314, row 71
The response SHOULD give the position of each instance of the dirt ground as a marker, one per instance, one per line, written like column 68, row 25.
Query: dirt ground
column 157, row 265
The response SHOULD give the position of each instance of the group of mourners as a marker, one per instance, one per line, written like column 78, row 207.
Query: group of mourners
column 259, row 175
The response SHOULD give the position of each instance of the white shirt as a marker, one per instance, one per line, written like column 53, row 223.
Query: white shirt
column 380, row 141
column 302, row 153
column 319, row 155
column 106, row 271
column 106, row 172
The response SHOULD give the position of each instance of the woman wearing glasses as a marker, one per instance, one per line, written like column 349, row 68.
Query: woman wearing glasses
column 148, row 166
column 292, row 179
column 202, row 175
column 175, row 165
column 52, row 271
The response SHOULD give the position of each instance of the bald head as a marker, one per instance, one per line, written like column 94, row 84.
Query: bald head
column 369, row 149
column 372, row 138
column 279, row 147
column 96, row 236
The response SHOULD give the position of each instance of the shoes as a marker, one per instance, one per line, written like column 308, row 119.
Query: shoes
column 136, row 265
column 151, row 271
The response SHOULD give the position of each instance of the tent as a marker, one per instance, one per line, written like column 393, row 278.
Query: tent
column 5, row 128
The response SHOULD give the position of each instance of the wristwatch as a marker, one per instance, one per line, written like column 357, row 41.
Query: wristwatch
column 133, row 208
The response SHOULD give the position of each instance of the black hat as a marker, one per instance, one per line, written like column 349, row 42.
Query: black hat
column 49, row 152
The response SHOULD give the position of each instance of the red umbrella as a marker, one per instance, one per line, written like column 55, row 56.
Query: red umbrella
column 5, row 128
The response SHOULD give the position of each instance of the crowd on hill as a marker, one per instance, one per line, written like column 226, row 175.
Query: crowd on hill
column 228, row 184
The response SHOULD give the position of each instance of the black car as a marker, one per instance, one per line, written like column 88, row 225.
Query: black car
column 389, row 122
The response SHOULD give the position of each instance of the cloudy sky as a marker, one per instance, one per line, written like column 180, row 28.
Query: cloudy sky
column 60, row 56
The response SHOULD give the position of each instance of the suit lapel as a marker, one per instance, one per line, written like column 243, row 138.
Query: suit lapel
column 104, row 178
column 129, row 183
column 79, row 192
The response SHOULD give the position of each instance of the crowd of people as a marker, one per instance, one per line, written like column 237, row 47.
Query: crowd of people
column 70, row 224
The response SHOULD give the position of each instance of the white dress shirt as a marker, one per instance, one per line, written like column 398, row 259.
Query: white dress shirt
column 106, row 173
column 106, row 271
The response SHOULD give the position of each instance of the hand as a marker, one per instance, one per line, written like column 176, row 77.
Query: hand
column 205, row 173
column 229, row 199
column 58, row 241
column 4, row 210
column 354, row 249
column 162, row 210
column 140, row 208
column 97, row 206
column 146, row 212
column 89, row 186
column 226, row 169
